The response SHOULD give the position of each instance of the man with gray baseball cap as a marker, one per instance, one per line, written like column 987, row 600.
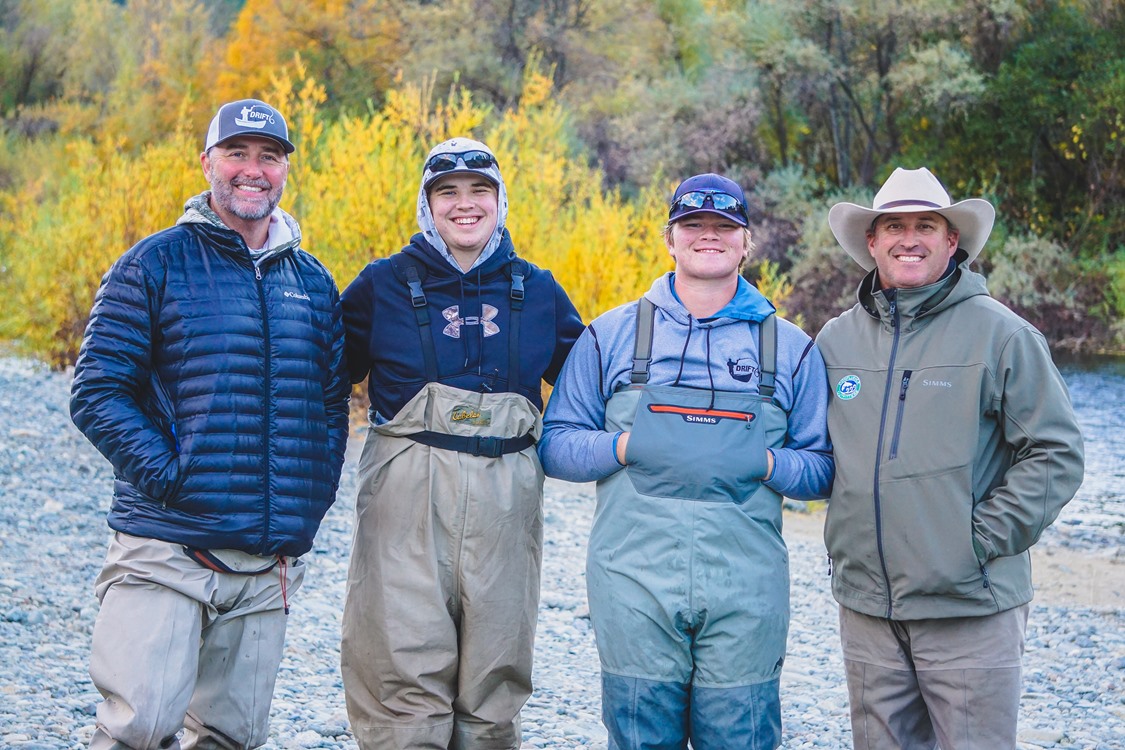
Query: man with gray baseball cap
column 212, row 377
column 956, row 446
column 248, row 117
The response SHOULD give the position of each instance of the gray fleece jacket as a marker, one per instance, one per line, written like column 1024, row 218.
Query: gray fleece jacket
column 956, row 446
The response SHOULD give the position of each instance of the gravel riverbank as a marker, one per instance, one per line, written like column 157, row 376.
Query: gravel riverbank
column 56, row 489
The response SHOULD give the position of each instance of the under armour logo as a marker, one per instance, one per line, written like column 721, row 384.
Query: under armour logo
column 453, row 315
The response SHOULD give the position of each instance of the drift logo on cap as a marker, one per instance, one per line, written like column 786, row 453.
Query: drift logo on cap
column 248, row 117
column 255, row 116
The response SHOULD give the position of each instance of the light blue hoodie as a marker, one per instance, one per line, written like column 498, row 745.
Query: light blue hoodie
column 719, row 353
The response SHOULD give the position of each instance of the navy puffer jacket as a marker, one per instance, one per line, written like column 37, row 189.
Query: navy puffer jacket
column 217, row 390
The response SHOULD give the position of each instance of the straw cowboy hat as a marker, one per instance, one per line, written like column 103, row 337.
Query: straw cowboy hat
column 911, row 191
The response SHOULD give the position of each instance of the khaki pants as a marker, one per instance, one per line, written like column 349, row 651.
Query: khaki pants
column 443, row 588
column 920, row 684
column 178, row 645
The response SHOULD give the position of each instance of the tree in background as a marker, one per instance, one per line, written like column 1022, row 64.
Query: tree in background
column 352, row 48
column 31, row 51
column 362, row 170
column 113, row 72
column 802, row 101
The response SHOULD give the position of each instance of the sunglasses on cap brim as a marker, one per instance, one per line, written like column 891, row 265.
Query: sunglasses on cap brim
column 471, row 159
column 723, row 202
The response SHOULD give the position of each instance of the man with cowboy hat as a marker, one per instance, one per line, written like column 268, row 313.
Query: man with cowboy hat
column 955, row 445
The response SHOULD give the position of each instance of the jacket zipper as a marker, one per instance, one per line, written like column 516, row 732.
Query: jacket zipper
column 901, row 409
column 265, row 401
column 879, row 456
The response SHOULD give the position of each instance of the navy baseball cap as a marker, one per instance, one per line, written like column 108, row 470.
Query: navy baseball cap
column 711, row 193
column 248, row 117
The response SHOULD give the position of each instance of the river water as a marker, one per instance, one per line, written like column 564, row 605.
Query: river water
column 1096, row 515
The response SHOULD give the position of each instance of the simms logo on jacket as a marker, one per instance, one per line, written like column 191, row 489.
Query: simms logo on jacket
column 937, row 384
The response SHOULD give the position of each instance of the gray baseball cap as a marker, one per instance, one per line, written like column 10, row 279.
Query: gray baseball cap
column 248, row 117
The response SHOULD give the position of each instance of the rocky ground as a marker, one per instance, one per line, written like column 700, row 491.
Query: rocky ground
column 55, row 490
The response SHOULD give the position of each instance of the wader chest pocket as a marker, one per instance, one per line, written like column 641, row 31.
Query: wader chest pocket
column 695, row 445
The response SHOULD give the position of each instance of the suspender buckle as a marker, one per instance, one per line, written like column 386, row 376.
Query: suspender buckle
column 417, row 297
column 639, row 373
column 414, row 283
column 491, row 447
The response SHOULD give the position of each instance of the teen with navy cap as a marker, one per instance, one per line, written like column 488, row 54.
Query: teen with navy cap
column 212, row 377
column 455, row 335
column 695, row 410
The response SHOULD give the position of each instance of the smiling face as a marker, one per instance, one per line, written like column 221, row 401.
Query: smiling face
column 247, row 176
column 707, row 246
column 464, row 209
column 911, row 250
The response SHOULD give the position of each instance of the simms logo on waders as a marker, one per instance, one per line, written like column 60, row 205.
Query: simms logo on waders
column 701, row 416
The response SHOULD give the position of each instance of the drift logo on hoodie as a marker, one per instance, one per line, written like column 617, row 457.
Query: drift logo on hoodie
column 743, row 370
column 453, row 315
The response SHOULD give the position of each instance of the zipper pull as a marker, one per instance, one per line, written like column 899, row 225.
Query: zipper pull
column 984, row 572
column 257, row 272
column 829, row 565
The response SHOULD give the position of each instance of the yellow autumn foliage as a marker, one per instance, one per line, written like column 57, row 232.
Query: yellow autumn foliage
column 353, row 186
column 63, row 230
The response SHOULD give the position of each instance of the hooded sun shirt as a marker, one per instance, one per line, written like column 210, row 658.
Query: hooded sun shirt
column 469, row 312
column 425, row 215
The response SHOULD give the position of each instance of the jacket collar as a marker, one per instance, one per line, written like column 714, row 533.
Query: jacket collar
column 919, row 302
column 285, row 236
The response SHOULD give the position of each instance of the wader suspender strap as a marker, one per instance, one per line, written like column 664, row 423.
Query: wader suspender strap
column 767, row 355
column 642, row 344
column 429, row 355
column 514, row 328
column 642, row 348
column 418, row 301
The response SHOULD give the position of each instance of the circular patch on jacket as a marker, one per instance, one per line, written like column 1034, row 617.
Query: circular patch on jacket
column 847, row 388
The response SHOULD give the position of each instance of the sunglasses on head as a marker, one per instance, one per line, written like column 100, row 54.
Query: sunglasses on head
column 471, row 160
column 724, row 202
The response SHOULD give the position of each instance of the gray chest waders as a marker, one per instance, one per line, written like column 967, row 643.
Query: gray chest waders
column 691, row 443
column 687, row 573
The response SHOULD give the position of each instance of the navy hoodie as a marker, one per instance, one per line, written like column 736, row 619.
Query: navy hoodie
column 470, row 315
